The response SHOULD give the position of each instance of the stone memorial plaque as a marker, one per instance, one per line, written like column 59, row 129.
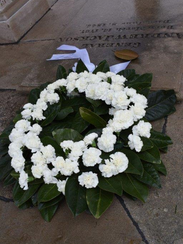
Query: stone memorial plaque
column 151, row 28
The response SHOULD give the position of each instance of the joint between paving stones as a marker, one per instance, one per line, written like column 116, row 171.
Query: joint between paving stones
column 5, row 199
column 132, row 219
column 165, row 125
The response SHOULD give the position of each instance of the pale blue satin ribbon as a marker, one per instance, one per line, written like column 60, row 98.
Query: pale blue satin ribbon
column 84, row 56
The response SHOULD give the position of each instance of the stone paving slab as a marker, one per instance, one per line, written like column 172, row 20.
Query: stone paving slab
column 161, row 217
column 27, row 226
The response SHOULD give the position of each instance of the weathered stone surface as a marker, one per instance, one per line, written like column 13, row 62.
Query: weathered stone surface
column 161, row 218
column 10, row 101
column 27, row 13
column 27, row 226
column 18, row 61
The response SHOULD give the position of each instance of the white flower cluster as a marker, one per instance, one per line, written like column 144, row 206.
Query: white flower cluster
column 127, row 107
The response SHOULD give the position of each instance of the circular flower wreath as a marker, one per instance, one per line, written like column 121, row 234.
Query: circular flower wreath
column 86, row 136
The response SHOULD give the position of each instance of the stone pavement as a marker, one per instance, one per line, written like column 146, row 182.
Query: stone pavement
column 154, row 30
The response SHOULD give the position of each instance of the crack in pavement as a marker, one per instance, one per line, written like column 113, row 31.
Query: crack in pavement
column 132, row 219
column 5, row 199
column 165, row 125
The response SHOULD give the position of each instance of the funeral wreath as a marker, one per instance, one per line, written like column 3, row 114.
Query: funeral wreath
column 86, row 137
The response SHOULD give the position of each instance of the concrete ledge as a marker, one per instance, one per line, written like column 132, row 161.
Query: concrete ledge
column 21, row 18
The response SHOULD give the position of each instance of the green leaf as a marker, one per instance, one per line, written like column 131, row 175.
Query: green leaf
column 66, row 134
column 3, row 149
column 75, row 196
column 161, row 168
column 98, row 201
column 112, row 184
column 21, row 196
column 102, row 109
column 102, row 67
column 47, row 140
column 34, row 95
column 9, row 180
column 151, row 155
column 81, row 67
column 61, row 73
column 43, row 205
column 47, row 192
column 48, row 213
column 5, row 166
column 26, row 205
column 95, row 103
column 159, row 139
column 92, row 118
column 17, row 118
column 50, row 113
column 134, row 188
column 135, row 165
column 127, row 73
column 76, row 101
column 142, row 84
column 64, row 112
column 79, row 124
column 147, row 144
column 160, row 104
column 150, row 176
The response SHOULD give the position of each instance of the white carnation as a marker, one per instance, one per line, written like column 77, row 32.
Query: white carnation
column 18, row 162
column 36, row 128
column 23, row 180
column 77, row 150
column 101, row 90
column 106, row 141
column 91, row 157
column 138, row 111
column 120, row 100
column 120, row 161
column 61, row 186
column 135, row 142
column 52, row 98
column 48, row 153
column 67, row 144
column 88, row 179
column 16, row 135
column 88, row 140
column 90, row 91
column 28, row 106
column 108, row 169
column 32, row 141
column 26, row 113
column 22, row 125
column 38, row 159
column 14, row 149
column 142, row 129
column 37, row 170
column 37, row 113
column 69, row 167
column 81, row 84
column 48, row 176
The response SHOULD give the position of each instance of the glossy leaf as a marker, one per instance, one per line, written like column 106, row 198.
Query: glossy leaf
column 66, row 134
column 48, row 213
column 95, row 103
column 102, row 67
column 161, row 168
column 135, row 165
column 102, row 109
column 160, row 104
column 112, row 184
column 64, row 113
column 98, row 201
column 151, row 155
column 61, row 72
column 9, row 180
column 47, row 140
column 92, row 118
column 5, row 166
column 26, row 205
column 133, row 187
column 159, row 139
column 147, row 144
column 75, row 196
column 51, row 113
column 76, row 101
column 43, row 205
column 150, row 176
column 79, row 124
column 126, row 54
column 48, row 192
column 127, row 73
column 21, row 196
column 142, row 84
column 34, row 95
column 81, row 67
